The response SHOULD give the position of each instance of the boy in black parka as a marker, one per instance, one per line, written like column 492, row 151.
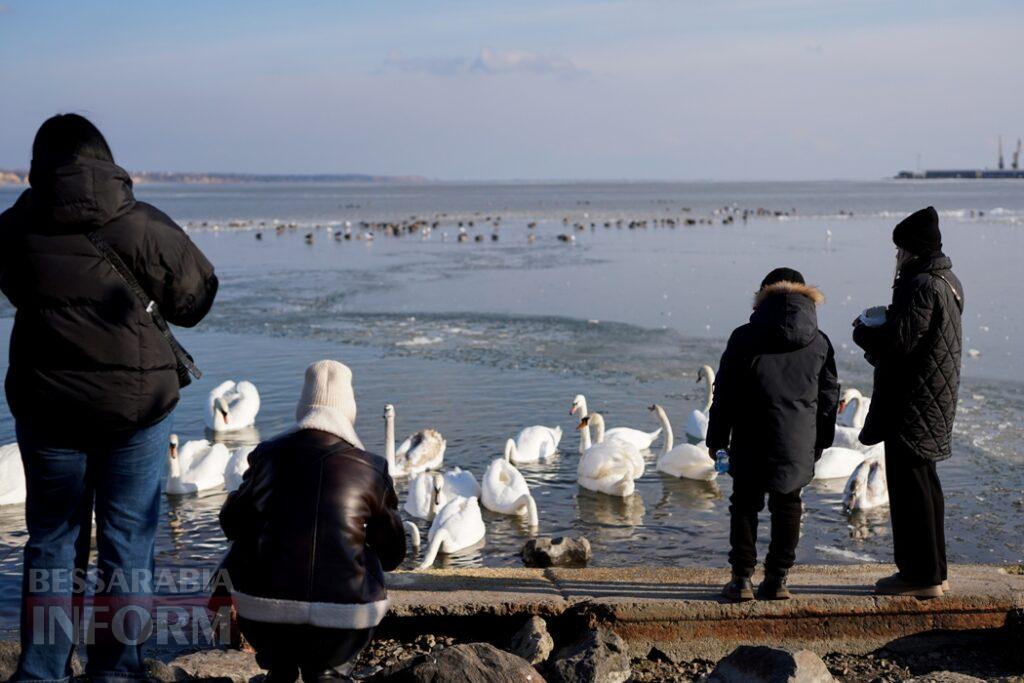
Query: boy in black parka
column 774, row 410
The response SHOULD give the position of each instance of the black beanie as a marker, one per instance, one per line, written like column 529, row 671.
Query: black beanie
column 782, row 275
column 919, row 233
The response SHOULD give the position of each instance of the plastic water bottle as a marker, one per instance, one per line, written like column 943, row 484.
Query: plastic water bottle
column 721, row 461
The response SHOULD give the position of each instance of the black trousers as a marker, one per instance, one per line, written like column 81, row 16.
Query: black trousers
column 918, row 512
column 288, row 649
column 746, row 502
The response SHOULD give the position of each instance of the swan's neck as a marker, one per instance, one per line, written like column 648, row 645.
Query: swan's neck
column 510, row 450
column 669, row 438
column 585, row 432
column 709, row 388
column 175, row 461
column 434, row 548
column 389, row 443
column 598, row 430
column 531, row 509
column 859, row 413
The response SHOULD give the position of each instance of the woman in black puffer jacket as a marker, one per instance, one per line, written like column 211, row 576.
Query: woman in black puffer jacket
column 92, row 382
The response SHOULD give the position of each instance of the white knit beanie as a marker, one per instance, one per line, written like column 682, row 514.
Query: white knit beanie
column 328, row 402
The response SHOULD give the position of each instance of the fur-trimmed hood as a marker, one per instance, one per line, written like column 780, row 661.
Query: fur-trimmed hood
column 786, row 314
column 786, row 287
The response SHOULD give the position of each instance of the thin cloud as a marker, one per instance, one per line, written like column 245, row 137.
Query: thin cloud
column 488, row 62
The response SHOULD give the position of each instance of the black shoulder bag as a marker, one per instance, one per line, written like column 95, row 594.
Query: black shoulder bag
column 186, row 365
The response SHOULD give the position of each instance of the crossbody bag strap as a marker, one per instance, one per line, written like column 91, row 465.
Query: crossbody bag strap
column 124, row 272
column 956, row 294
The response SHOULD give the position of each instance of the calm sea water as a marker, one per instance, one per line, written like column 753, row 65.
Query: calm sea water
column 480, row 339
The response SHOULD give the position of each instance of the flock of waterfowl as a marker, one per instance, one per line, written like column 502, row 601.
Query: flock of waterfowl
column 476, row 227
column 611, row 460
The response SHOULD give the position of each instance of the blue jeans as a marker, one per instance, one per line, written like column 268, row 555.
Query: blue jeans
column 124, row 474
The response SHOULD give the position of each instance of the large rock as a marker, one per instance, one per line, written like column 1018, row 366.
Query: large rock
column 472, row 663
column 232, row 665
column 600, row 656
column 562, row 551
column 946, row 677
column 10, row 651
column 533, row 642
column 750, row 664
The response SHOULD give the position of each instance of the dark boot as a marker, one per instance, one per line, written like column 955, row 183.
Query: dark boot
column 335, row 674
column 773, row 587
column 739, row 589
column 281, row 675
column 897, row 585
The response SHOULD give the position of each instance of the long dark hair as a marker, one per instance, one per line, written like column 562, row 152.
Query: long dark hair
column 64, row 136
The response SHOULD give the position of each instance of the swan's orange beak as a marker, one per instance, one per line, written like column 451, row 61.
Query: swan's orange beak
column 842, row 406
column 572, row 411
column 583, row 423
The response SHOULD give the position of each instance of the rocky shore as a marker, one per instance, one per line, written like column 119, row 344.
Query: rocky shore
column 600, row 655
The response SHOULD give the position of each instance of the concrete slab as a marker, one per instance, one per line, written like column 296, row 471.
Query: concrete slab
column 678, row 611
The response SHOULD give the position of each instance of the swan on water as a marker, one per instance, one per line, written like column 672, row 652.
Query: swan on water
column 458, row 525
column 697, row 424
column 430, row 491
column 685, row 461
column 609, row 466
column 232, row 407
column 12, row 475
column 505, row 491
column 535, row 443
column 422, row 451
column 867, row 487
column 236, row 467
column 856, row 417
column 641, row 440
column 196, row 466
column 839, row 463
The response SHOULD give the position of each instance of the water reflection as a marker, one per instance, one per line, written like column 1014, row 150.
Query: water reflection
column 687, row 494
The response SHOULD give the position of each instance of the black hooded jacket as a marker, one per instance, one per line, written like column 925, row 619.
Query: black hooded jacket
column 83, row 346
column 776, row 392
column 917, row 356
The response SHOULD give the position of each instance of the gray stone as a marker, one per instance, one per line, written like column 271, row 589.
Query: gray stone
column 233, row 665
column 946, row 677
column 760, row 664
column 10, row 651
column 472, row 663
column 601, row 656
column 533, row 642
column 562, row 551
column 159, row 671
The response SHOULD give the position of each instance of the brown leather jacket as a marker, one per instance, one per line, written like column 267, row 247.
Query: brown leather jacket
column 314, row 526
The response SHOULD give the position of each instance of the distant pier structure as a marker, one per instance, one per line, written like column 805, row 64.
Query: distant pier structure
column 1015, row 171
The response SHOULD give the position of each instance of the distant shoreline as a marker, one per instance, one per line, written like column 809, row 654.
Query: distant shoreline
column 20, row 177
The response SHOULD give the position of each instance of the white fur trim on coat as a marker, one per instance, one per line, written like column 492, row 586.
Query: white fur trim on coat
column 325, row 614
column 331, row 421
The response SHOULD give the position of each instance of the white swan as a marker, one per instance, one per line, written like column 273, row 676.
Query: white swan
column 838, row 463
column 196, row 466
column 236, row 467
column 535, row 443
column 458, row 525
column 697, row 424
column 430, row 491
column 856, row 417
column 867, row 487
column 12, row 475
column 505, row 490
column 638, row 438
column 232, row 407
column 422, row 451
column 686, row 461
column 610, row 466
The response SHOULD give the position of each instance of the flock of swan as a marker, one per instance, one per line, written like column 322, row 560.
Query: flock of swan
column 611, row 460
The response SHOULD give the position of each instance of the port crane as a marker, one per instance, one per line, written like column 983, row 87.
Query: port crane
column 1015, row 165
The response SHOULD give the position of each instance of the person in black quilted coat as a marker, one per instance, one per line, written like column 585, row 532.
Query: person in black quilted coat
column 917, row 356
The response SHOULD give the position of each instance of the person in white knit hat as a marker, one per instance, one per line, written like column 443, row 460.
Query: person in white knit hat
column 314, row 527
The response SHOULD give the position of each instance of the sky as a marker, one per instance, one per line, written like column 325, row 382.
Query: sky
column 615, row 89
